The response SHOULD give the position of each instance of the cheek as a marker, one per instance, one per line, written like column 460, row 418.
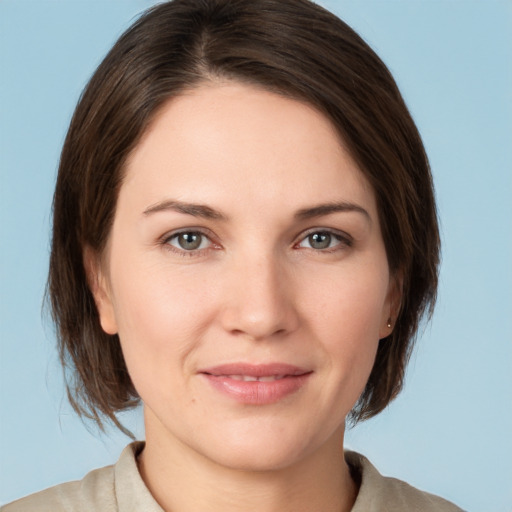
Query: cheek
column 345, row 313
column 160, row 317
column 350, row 303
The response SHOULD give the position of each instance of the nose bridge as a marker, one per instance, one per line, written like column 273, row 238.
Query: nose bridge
column 260, row 302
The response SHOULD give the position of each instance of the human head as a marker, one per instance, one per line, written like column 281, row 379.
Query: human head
column 293, row 48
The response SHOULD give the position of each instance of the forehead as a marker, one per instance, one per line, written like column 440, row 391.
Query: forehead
column 240, row 143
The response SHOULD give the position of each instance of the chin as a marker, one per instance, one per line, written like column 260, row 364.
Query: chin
column 261, row 447
column 257, row 458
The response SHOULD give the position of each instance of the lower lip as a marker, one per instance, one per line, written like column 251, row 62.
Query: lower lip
column 257, row 392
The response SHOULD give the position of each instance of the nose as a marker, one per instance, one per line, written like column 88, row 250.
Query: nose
column 259, row 299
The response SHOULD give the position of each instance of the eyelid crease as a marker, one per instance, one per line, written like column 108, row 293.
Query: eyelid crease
column 331, row 231
column 188, row 229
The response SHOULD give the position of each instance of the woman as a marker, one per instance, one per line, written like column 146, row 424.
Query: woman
column 245, row 239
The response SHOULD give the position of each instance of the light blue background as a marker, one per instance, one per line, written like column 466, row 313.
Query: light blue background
column 450, row 432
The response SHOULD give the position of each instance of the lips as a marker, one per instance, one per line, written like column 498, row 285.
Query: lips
column 256, row 384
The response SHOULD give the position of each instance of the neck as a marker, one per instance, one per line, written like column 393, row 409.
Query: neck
column 181, row 479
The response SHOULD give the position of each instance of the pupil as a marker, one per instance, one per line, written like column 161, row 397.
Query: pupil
column 189, row 241
column 320, row 240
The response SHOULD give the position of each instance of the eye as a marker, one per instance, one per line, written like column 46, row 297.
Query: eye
column 322, row 240
column 188, row 241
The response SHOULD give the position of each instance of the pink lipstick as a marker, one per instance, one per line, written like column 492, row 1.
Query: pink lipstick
column 256, row 384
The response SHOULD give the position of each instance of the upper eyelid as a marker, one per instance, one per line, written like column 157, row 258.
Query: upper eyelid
column 175, row 232
column 336, row 232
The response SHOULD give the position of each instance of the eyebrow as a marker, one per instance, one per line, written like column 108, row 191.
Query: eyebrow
column 328, row 208
column 206, row 212
column 196, row 210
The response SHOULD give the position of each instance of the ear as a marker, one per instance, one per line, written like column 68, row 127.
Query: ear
column 392, row 304
column 100, row 289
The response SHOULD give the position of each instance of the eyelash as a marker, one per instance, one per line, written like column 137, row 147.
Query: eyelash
column 166, row 243
column 344, row 241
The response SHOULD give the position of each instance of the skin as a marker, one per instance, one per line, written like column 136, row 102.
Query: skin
column 259, row 289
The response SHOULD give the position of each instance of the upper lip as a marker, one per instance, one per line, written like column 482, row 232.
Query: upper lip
column 255, row 370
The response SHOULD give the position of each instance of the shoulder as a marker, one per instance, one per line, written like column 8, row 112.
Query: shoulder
column 94, row 492
column 118, row 488
column 381, row 494
column 109, row 489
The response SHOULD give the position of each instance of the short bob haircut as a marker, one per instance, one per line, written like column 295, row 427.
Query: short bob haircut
column 290, row 47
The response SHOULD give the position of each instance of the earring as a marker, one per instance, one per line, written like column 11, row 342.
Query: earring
column 389, row 323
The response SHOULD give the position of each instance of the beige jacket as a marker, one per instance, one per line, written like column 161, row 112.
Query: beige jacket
column 120, row 488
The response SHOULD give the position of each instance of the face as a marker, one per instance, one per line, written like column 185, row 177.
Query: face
column 246, row 276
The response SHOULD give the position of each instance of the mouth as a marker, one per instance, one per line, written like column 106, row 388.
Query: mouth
column 251, row 378
column 256, row 384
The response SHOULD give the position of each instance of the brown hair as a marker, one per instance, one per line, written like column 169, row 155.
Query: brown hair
column 291, row 47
